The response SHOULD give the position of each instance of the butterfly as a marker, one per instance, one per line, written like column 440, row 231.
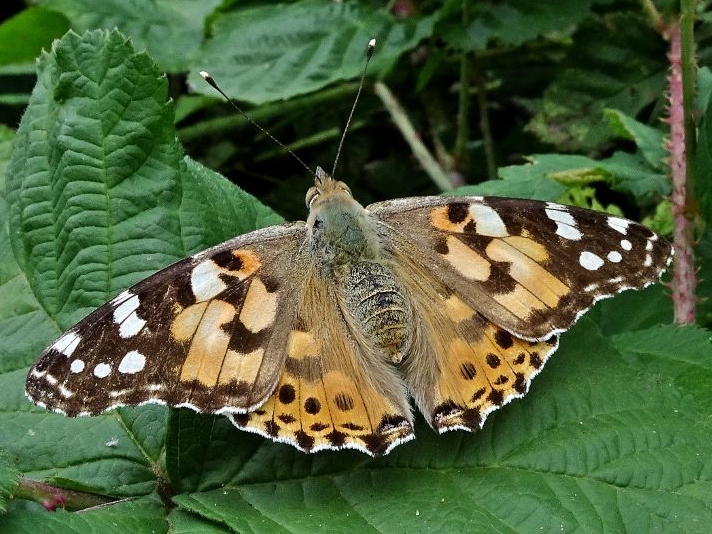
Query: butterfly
column 318, row 333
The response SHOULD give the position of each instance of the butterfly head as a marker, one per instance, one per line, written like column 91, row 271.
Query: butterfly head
column 324, row 189
column 339, row 228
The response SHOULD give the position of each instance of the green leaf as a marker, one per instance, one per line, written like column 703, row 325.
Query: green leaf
column 96, row 169
column 9, row 478
column 253, row 63
column 703, row 157
column 233, row 212
column 171, row 30
column 631, row 173
column 650, row 141
column 546, row 176
column 703, row 254
column 512, row 23
column 7, row 136
column 96, row 134
column 141, row 516
column 596, row 442
column 187, row 523
column 23, row 36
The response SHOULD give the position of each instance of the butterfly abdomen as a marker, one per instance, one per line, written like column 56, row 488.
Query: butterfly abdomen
column 376, row 301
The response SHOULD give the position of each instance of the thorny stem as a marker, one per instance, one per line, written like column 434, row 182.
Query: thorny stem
column 681, row 147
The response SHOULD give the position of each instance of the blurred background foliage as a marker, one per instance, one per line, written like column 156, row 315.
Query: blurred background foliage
column 485, row 84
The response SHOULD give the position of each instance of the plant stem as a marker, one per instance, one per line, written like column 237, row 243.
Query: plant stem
column 485, row 129
column 682, row 150
column 53, row 497
column 463, row 105
column 420, row 151
column 656, row 19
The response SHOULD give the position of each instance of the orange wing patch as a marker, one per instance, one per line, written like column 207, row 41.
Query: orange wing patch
column 316, row 406
column 480, row 375
column 474, row 366
column 332, row 392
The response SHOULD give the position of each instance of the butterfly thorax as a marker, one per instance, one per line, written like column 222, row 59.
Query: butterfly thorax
column 345, row 240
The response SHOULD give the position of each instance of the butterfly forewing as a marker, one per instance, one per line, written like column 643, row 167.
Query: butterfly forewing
column 530, row 267
column 208, row 332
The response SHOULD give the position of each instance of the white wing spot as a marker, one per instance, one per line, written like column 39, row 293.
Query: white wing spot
column 488, row 221
column 131, row 326
column 205, row 281
column 648, row 246
column 77, row 366
column 67, row 344
column 648, row 260
column 102, row 370
column 66, row 393
column 619, row 225
column 52, row 381
column 590, row 261
column 125, row 316
column 126, row 308
column 614, row 256
column 132, row 363
column 626, row 245
column 565, row 222
column 118, row 299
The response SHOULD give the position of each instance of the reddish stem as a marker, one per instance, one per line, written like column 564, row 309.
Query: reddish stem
column 684, row 280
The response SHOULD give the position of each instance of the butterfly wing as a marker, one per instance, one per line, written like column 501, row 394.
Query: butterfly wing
column 531, row 267
column 207, row 332
column 335, row 390
column 494, row 281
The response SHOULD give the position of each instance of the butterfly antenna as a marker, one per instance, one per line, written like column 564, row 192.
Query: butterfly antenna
column 369, row 54
column 208, row 78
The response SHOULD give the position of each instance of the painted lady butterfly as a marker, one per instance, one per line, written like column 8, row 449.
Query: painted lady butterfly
column 315, row 333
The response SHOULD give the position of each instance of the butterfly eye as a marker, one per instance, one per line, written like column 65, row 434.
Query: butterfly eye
column 312, row 195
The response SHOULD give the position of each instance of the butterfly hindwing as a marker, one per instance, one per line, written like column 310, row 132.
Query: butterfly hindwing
column 207, row 332
column 335, row 391
column 461, row 366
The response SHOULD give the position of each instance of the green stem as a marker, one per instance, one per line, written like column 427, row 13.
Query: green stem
column 463, row 108
column 656, row 19
column 420, row 151
column 485, row 129
column 689, row 80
